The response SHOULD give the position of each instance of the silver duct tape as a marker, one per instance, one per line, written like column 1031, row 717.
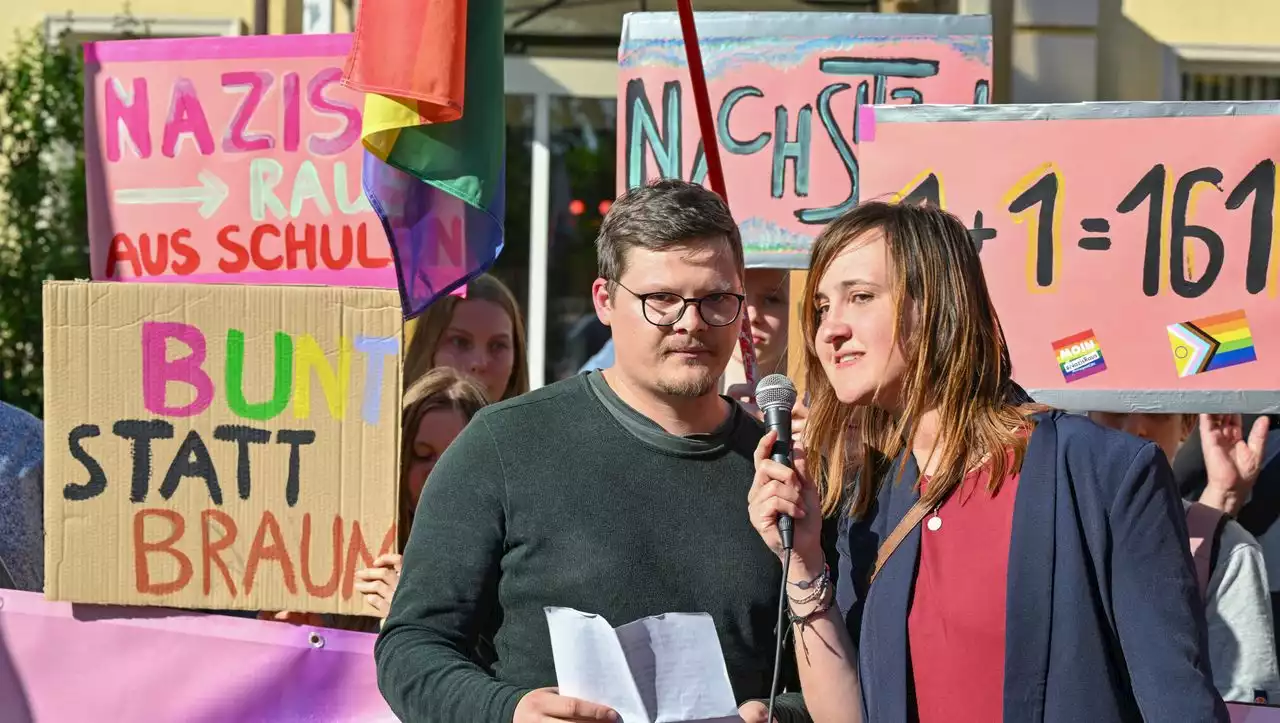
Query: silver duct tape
column 1176, row 401
column 1109, row 110
column 666, row 25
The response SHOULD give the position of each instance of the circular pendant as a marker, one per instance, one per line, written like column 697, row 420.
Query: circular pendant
column 934, row 524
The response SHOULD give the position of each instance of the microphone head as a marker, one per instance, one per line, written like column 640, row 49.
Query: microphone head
column 775, row 392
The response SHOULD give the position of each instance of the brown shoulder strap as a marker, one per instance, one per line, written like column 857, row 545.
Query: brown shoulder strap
column 908, row 523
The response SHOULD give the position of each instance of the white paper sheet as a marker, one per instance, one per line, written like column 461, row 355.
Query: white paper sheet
column 661, row 669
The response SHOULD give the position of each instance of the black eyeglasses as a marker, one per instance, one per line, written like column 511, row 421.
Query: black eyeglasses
column 663, row 308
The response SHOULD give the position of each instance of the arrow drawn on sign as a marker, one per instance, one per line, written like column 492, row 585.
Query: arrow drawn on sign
column 209, row 194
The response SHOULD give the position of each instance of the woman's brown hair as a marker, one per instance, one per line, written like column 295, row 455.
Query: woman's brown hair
column 440, row 388
column 957, row 362
column 421, row 355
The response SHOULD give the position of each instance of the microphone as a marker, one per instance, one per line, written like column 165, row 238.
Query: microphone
column 776, row 395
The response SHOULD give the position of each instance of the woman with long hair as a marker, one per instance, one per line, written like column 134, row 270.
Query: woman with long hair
column 993, row 559
column 435, row 410
column 480, row 334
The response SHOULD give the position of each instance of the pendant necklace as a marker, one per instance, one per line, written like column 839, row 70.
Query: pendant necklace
column 935, row 523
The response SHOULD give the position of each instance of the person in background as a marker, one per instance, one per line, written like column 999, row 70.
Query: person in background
column 619, row 493
column 766, row 306
column 1236, row 593
column 21, row 500
column 1217, row 438
column 940, row 599
column 480, row 334
column 602, row 359
column 436, row 408
column 1254, row 503
column 768, row 292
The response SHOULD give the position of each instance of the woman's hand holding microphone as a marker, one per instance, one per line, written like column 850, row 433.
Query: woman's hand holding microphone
column 779, row 489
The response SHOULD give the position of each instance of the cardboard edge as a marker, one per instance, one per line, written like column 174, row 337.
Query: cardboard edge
column 1102, row 110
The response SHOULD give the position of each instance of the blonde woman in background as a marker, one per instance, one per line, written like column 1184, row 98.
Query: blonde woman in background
column 480, row 334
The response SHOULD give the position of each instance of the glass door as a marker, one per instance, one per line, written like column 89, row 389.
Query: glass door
column 561, row 151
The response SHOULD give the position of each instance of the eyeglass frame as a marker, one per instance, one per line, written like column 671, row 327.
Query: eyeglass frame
column 685, row 303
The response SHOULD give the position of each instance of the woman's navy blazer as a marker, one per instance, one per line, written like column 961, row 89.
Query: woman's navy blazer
column 1104, row 620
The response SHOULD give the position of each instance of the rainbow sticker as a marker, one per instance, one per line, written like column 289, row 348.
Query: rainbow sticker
column 1214, row 342
column 1079, row 356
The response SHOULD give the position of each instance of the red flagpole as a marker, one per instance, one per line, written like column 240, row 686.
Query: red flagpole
column 711, row 150
column 701, row 99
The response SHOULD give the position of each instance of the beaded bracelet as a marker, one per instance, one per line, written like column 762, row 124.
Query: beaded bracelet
column 818, row 593
column 806, row 584
column 822, row 581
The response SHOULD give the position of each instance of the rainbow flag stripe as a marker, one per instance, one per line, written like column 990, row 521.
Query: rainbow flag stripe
column 1214, row 342
column 1079, row 356
column 435, row 137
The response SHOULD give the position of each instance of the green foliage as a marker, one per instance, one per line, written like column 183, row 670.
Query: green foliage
column 43, row 226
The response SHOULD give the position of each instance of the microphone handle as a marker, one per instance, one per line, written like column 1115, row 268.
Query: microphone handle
column 778, row 420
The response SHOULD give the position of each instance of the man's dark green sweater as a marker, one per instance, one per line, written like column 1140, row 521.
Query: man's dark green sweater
column 568, row 497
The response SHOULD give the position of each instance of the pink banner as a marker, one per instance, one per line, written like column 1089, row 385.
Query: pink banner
column 233, row 160
column 64, row 663
column 1131, row 249
column 1241, row 713
column 785, row 88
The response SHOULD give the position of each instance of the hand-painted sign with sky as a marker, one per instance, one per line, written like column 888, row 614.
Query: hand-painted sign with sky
column 785, row 88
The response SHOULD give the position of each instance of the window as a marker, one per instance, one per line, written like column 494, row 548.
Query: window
column 1231, row 86
column 1227, row 72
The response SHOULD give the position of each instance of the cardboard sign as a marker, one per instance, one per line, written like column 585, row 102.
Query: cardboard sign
column 785, row 88
column 232, row 160
column 134, row 664
column 219, row 447
column 1135, row 266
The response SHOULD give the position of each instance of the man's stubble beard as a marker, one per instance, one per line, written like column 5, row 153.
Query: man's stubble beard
column 689, row 387
column 700, row 385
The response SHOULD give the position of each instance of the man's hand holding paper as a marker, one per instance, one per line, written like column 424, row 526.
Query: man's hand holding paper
column 661, row 669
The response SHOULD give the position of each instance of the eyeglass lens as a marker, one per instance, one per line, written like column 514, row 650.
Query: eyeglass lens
column 715, row 309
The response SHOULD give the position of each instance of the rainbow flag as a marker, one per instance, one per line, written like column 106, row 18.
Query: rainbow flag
column 1214, row 342
column 435, row 137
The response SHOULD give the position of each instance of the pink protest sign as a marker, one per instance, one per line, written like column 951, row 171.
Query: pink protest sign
column 60, row 662
column 233, row 160
column 785, row 88
column 1130, row 249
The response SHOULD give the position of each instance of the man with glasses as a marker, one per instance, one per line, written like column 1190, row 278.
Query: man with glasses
column 620, row 493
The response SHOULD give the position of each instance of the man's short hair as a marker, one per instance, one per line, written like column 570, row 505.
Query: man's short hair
column 659, row 216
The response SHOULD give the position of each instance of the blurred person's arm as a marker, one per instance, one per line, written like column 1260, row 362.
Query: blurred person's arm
column 1242, row 649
